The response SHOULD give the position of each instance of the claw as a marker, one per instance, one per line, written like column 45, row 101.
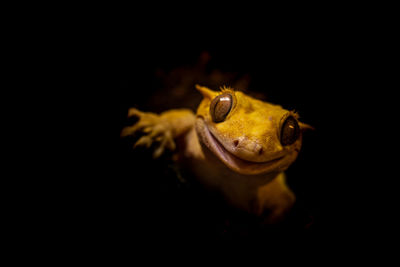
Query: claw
column 164, row 142
column 130, row 130
column 157, row 153
column 144, row 141
column 147, row 129
column 171, row 144
column 134, row 112
column 126, row 131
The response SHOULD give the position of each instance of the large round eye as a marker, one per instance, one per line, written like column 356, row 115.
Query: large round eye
column 220, row 107
column 290, row 131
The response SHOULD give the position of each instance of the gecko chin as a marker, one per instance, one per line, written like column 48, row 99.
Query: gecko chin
column 237, row 164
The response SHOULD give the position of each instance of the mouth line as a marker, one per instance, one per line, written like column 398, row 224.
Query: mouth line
column 233, row 161
column 225, row 151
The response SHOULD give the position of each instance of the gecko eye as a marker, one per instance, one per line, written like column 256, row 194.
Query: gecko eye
column 290, row 131
column 220, row 107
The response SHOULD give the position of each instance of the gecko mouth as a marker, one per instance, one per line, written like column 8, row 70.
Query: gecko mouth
column 234, row 162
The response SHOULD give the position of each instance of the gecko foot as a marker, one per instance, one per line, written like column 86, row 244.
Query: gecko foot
column 156, row 130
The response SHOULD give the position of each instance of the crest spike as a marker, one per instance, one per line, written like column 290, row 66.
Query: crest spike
column 206, row 92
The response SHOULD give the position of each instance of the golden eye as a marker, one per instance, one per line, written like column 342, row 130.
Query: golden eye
column 290, row 131
column 220, row 107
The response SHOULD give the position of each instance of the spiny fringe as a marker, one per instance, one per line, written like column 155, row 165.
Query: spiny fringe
column 295, row 113
column 225, row 88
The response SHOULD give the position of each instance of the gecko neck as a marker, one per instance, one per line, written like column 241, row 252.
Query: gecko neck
column 239, row 189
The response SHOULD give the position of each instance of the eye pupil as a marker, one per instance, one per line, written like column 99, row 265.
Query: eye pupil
column 290, row 131
column 220, row 107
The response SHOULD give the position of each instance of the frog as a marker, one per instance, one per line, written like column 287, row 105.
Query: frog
column 234, row 144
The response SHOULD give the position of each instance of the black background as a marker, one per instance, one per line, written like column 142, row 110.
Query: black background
column 333, row 64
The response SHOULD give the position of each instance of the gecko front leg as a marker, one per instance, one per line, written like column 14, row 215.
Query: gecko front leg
column 163, row 128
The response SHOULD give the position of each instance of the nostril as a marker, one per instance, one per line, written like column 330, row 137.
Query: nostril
column 236, row 143
column 260, row 151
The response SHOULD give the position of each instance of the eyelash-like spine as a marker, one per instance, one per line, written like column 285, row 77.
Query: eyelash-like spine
column 295, row 114
column 225, row 89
